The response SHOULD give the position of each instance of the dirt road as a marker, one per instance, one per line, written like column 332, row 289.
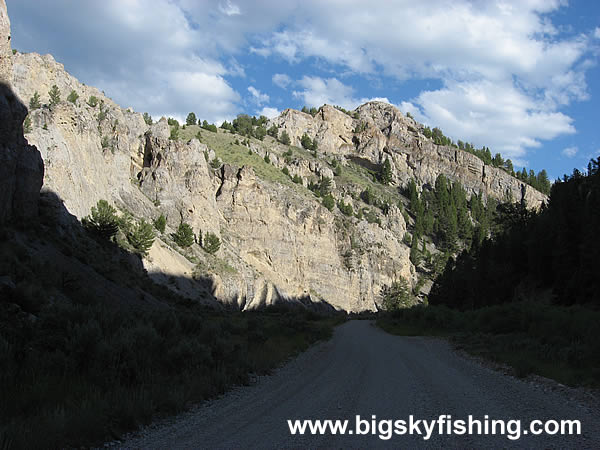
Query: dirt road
column 365, row 371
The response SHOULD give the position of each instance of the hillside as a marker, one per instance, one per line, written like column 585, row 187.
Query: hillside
column 279, row 243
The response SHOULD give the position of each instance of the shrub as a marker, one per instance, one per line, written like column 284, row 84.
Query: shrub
column 103, row 220
column 346, row 209
column 273, row 131
column 160, row 223
column 184, row 236
column 174, row 134
column 285, row 138
column 93, row 101
column 73, row 96
column 211, row 243
column 329, row 202
column 27, row 125
column 286, row 171
column 297, row 179
column 267, row 159
column 54, row 94
column 306, row 142
column 147, row 118
column 173, row 122
column 142, row 237
column 34, row 102
column 397, row 296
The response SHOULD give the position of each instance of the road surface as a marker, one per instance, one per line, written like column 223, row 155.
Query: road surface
column 365, row 371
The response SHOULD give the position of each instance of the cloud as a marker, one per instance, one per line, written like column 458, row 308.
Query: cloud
column 258, row 97
column 281, row 80
column 497, row 115
column 229, row 9
column 269, row 112
column 318, row 91
column 597, row 33
column 570, row 152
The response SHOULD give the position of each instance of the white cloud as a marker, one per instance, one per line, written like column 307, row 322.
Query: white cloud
column 229, row 9
column 497, row 115
column 258, row 97
column 597, row 33
column 318, row 91
column 570, row 152
column 282, row 80
column 269, row 112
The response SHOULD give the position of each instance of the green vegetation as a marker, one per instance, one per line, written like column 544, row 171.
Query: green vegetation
column 328, row 202
column 385, row 174
column 34, row 102
column 184, row 236
column 160, row 223
column 73, row 96
column 397, row 296
column 27, row 125
column 147, row 118
column 141, row 237
column 191, row 119
column 528, row 293
column 92, row 101
column 54, row 94
column 102, row 220
column 211, row 243
column 308, row 143
column 312, row 111
column 558, row 342
column 285, row 138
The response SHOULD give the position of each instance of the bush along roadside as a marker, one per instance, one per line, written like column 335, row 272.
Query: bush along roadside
column 85, row 373
column 558, row 342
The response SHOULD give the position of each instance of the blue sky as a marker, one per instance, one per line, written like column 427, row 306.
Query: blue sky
column 518, row 76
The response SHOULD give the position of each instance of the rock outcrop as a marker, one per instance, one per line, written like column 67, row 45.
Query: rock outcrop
column 379, row 131
column 21, row 167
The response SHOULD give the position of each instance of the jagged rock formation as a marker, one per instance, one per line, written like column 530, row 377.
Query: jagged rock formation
column 279, row 243
column 21, row 167
column 384, row 132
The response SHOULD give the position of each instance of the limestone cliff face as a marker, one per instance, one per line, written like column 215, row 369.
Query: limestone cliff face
column 21, row 167
column 384, row 132
column 278, row 243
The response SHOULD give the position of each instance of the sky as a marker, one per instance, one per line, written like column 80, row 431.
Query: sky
column 518, row 76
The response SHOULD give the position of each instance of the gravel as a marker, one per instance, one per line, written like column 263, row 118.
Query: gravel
column 365, row 371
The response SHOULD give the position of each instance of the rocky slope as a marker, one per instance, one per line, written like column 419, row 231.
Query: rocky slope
column 21, row 168
column 278, row 242
column 384, row 132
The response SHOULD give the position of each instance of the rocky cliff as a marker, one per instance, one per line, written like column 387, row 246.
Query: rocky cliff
column 279, row 243
column 21, row 168
column 379, row 130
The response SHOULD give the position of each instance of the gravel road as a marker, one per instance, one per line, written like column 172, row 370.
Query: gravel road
column 365, row 371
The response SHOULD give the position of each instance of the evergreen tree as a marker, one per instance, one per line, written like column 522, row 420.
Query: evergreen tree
column 191, row 119
column 285, row 138
column 160, row 223
column 184, row 237
column 328, row 202
column 102, row 220
column 273, row 131
column 211, row 243
column 34, row 102
column 385, row 174
column 397, row 296
column 141, row 237
column 73, row 96
column 54, row 94
column 147, row 118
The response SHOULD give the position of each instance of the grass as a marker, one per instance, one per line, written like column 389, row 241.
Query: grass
column 552, row 341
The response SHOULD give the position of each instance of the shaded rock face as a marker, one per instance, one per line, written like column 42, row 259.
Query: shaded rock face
column 21, row 167
column 384, row 132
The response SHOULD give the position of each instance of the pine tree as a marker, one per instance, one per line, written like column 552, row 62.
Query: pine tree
column 211, row 243
column 34, row 102
column 141, row 237
column 385, row 175
column 285, row 138
column 184, row 236
column 191, row 119
column 147, row 118
column 103, row 220
column 160, row 223
column 54, row 94
column 73, row 96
